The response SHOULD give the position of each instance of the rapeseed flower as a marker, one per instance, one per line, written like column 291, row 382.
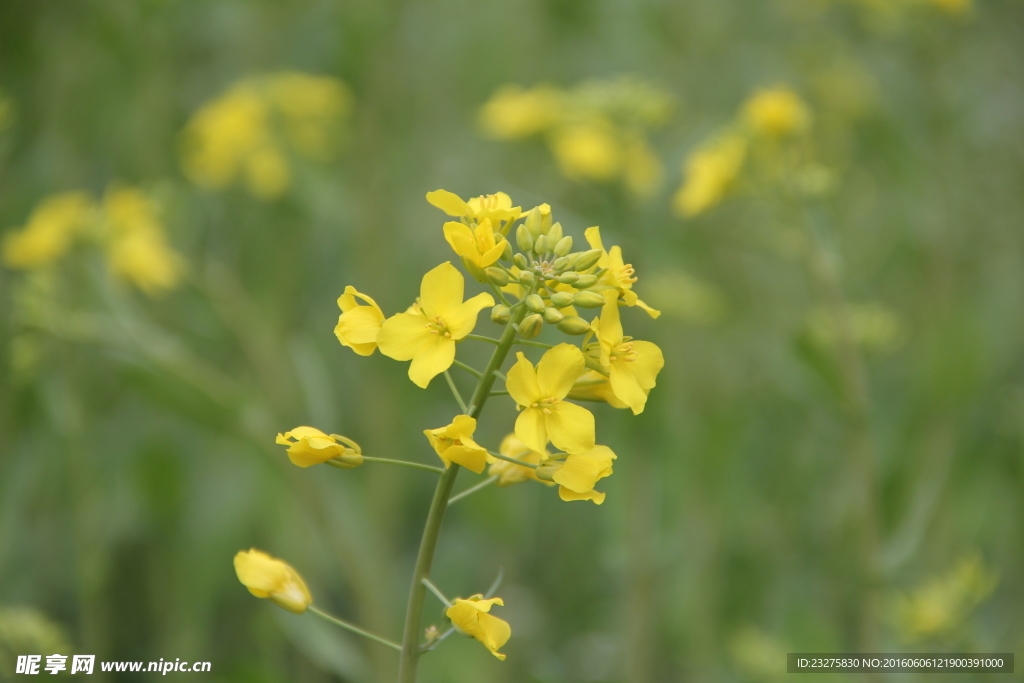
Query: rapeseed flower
column 710, row 172
column 358, row 325
column 776, row 112
column 540, row 393
column 496, row 207
column 579, row 473
column 509, row 473
column 427, row 334
column 515, row 112
column 633, row 366
column 309, row 446
column 269, row 577
column 49, row 232
column 617, row 273
column 137, row 250
column 942, row 604
column 454, row 443
column 471, row 617
column 477, row 246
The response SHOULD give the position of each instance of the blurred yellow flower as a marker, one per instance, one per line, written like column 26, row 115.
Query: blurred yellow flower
column 579, row 473
column 509, row 473
column 709, row 173
column 49, row 231
column 470, row 617
column 587, row 150
column 427, row 336
column 539, row 393
column 454, row 443
column 358, row 325
column 776, row 112
column 617, row 273
column 309, row 446
column 496, row 207
column 269, row 577
column 633, row 366
column 515, row 112
column 136, row 248
column 943, row 603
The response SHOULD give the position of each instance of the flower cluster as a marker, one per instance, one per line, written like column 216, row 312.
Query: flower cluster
column 537, row 282
column 126, row 223
column 596, row 131
column 247, row 132
column 942, row 604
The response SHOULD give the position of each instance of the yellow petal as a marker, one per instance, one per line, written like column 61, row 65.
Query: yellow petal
column 580, row 473
column 626, row 387
column 593, row 236
column 653, row 312
column 522, row 383
column 347, row 301
column 433, row 358
column 570, row 495
column 473, row 459
column 531, row 429
column 460, row 239
column 570, row 428
column 403, row 334
column 448, row 202
column 441, row 290
column 358, row 329
column 559, row 369
column 610, row 328
column 462, row 319
column 269, row 577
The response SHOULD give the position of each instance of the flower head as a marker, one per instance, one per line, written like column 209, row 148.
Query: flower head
column 477, row 245
column 136, row 248
column 776, row 112
column 710, row 171
column 454, row 443
column 497, row 207
column 470, row 616
column 269, row 577
column 579, row 473
column 427, row 335
column 617, row 273
column 309, row 446
column 633, row 366
column 540, row 394
column 358, row 325
column 509, row 473
column 49, row 232
column 515, row 112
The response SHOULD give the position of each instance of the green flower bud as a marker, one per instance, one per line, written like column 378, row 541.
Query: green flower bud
column 588, row 300
column 535, row 303
column 572, row 324
column 584, row 281
column 523, row 238
column 563, row 247
column 534, row 224
column 547, row 472
column 506, row 255
column 497, row 276
column 561, row 299
column 520, row 262
column 531, row 326
column 501, row 314
column 568, row 278
column 526, row 278
column 540, row 245
column 473, row 269
column 552, row 315
column 588, row 259
column 554, row 233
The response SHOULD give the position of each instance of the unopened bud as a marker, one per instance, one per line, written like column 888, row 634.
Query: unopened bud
column 568, row 278
column 588, row 259
column 520, row 262
column 588, row 300
column 584, row 281
column 547, row 472
column 563, row 247
column 523, row 238
column 540, row 245
column 561, row 299
column 555, row 233
column 535, row 303
column 496, row 275
column 349, row 460
column 531, row 326
column 572, row 324
column 501, row 314
column 533, row 223
column 506, row 255
column 473, row 269
column 552, row 315
column 526, row 278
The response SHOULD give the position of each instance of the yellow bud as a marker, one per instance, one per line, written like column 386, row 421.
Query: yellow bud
column 534, row 224
column 555, row 233
column 535, row 303
column 563, row 247
column 572, row 324
column 520, row 262
column 588, row 300
column 526, row 278
column 540, row 245
column 561, row 299
column 501, row 314
column 568, row 278
column 531, row 326
column 524, row 239
column 584, row 281
column 588, row 259
column 506, row 255
column 496, row 275
column 552, row 315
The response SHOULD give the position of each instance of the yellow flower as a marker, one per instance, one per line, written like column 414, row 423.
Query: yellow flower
column 710, row 172
column 617, row 274
column 540, row 391
column 514, row 112
column 943, row 603
column 470, row 617
column 454, row 443
column 49, row 232
column 593, row 386
column 776, row 112
column 309, row 446
column 588, row 150
column 136, row 247
column 477, row 246
column 358, row 325
column 497, row 207
column 641, row 168
column 269, row 577
column 579, row 473
column 427, row 337
column 633, row 366
column 509, row 473
column 311, row 106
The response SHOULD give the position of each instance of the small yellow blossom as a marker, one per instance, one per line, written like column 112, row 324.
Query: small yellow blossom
column 309, row 446
column 358, row 325
column 633, row 366
column 588, row 150
column 579, row 473
column 454, row 443
column 641, row 168
column 427, row 336
column 540, row 394
column 509, row 473
column 514, row 112
column 776, row 112
column 136, row 247
column 477, row 246
column 269, row 577
column 710, row 171
column 497, row 207
column 470, row 617
column 617, row 273
column 49, row 232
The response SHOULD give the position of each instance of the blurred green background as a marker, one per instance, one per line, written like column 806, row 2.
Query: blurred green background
column 137, row 431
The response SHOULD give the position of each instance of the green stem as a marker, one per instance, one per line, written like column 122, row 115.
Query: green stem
column 352, row 627
column 499, row 456
column 480, row 337
column 527, row 342
column 389, row 461
column 428, row 544
column 455, row 391
column 437, row 591
column 473, row 489
column 470, row 370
